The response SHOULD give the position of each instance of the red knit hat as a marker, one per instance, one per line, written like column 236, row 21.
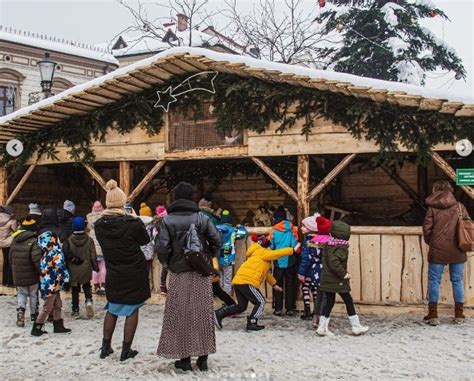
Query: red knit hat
column 324, row 225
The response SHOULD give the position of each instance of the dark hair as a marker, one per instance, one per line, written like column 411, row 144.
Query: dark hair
column 183, row 191
column 442, row 186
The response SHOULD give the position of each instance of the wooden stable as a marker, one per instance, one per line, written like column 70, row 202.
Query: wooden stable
column 388, row 263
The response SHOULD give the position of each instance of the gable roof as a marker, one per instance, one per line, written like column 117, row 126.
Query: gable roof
column 158, row 69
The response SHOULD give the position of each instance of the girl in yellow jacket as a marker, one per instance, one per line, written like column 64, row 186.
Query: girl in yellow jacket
column 248, row 279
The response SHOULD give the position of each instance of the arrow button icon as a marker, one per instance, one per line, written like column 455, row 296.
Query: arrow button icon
column 14, row 147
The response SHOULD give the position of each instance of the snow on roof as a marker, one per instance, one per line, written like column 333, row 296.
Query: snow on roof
column 250, row 62
column 54, row 44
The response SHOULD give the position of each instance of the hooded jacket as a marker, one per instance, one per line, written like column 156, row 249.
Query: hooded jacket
column 284, row 234
column 25, row 257
column 49, row 222
column 8, row 225
column 229, row 235
column 120, row 237
column 256, row 269
column 82, row 247
column 172, row 235
column 440, row 228
column 335, row 261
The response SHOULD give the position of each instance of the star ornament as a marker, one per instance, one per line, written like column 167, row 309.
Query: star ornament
column 165, row 98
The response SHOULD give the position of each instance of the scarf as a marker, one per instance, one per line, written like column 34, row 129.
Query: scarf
column 337, row 242
column 114, row 212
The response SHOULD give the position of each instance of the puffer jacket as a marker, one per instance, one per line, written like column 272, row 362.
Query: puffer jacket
column 440, row 228
column 8, row 225
column 65, row 221
column 91, row 219
column 311, row 263
column 82, row 247
column 49, row 222
column 25, row 257
column 148, row 250
column 256, row 269
column 120, row 237
column 229, row 234
column 284, row 234
column 335, row 259
column 172, row 234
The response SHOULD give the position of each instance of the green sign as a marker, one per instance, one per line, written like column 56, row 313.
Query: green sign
column 465, row 176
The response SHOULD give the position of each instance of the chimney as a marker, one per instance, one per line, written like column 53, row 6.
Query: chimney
column 182, row 22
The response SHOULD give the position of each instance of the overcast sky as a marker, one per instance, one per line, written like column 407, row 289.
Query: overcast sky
column 95, row 21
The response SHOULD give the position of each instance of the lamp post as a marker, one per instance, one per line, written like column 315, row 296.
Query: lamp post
column 46, row 68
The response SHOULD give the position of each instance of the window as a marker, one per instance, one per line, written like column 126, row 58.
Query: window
column 7, row 99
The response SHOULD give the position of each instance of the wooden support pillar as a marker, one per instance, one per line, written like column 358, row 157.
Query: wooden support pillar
column 303, row 187
column 422, row 174
column 125, row 177
column 20, row 184
column 451, row 173
column 146, row 180
column 3, row 185
column 96, row 176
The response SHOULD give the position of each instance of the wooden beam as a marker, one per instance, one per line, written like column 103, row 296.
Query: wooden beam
column 330, row 176
column 146, row 180
column 125, row 176
column 451, row 173
column 276, row 178
column 404, row 186
column 3, row 185
column 303, row 187
column 20, row 184
column 96, row 176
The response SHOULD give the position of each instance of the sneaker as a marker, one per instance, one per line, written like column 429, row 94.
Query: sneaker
column 75, row 315
column 290, row 313
column 101, row 291
column 89, row 309
column 278, row 313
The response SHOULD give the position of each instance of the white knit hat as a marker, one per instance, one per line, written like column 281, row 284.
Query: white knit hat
column 310, row 223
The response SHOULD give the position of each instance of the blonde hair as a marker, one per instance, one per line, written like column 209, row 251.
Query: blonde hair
column 442, row 186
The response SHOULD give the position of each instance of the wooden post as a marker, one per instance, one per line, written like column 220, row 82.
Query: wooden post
column 451, row 173
column 303, row 187
column 146, row 180
column 96, row 176
column 331, row 175
column 422, row 180
column 20, row 184
column 276, row 178
column 125, row 177
column 3, row 185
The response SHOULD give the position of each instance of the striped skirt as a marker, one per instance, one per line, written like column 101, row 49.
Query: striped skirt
column 188, row 322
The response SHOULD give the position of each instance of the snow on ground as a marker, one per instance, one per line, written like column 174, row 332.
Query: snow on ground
column 397, row 347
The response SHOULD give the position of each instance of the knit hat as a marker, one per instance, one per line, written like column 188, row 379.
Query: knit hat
column 8, row 209
column 78, row 224
column 69, row 206
column 310, row 222
column 161, row 211
column 34, row 209
column 115, row 197
column 30, row 223
column 226, row 217
column 324, row 225
column 261, row 240
column 279, row 215
column 183, row 191
column 145, row 210
column 97, row 207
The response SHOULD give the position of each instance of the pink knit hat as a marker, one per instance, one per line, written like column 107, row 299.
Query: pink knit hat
column 161, row 211
column 97, row 207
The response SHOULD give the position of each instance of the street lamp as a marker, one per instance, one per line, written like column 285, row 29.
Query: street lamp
column 46, row 68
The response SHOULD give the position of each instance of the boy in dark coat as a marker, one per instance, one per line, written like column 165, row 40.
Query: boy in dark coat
column 83, row 261
column 25, row 257
column 335, row 279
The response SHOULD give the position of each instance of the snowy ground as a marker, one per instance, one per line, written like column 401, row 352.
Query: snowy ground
column 397, row 347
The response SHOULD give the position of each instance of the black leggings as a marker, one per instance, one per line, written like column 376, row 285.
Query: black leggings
column 329, row 298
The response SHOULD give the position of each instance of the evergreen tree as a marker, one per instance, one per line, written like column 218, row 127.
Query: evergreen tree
column 384, row 39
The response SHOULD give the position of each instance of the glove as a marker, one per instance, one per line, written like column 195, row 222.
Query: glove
column 347, row 276
column 301, row 278
column 297, row 248
column 215, row 278
column 277, row 288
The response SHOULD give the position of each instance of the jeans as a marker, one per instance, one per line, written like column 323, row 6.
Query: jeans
column 435, row 274
column 23, row 293
column 226, row 273
column 75, row 290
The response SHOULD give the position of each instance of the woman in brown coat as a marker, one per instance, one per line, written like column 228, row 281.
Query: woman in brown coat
column 8, row 225
column 439, row 231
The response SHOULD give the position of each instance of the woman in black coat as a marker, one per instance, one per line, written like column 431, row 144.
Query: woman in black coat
column 188, row 323
column 127, row 287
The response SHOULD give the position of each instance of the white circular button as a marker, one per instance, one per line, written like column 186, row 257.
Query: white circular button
column 464, row 147
column 14, row 147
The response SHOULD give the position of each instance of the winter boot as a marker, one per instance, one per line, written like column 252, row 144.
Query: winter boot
column 219, row 315
column 202, row 363
column 89, row 309
column 432, row 317
column 96, row 288
column 278, row 313
column 315, row 321
column 34, row 316
column 127, row 352
column 357, row 328
column 106, row 349
column 59, row 327
column 459, row 313
column 184, row 364
column 307, row 315
column 20, row 317
column 252, row 325
column 323, row 328
column 37, row 329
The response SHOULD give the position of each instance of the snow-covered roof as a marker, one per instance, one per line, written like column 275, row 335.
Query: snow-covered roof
column 152, row 71
column 53, row 44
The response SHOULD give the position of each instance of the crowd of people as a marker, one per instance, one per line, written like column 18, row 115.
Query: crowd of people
column 51, row 250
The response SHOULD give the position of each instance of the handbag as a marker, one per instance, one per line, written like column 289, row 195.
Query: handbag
column 465, row 230
column 194, row 250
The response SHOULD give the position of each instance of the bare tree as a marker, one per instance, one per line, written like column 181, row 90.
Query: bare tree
column 284, row 32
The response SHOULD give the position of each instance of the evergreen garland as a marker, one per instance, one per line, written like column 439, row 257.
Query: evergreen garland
column 251, row 104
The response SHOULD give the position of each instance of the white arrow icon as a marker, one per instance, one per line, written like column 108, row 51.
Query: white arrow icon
column 464, row 147
column 14, row 147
